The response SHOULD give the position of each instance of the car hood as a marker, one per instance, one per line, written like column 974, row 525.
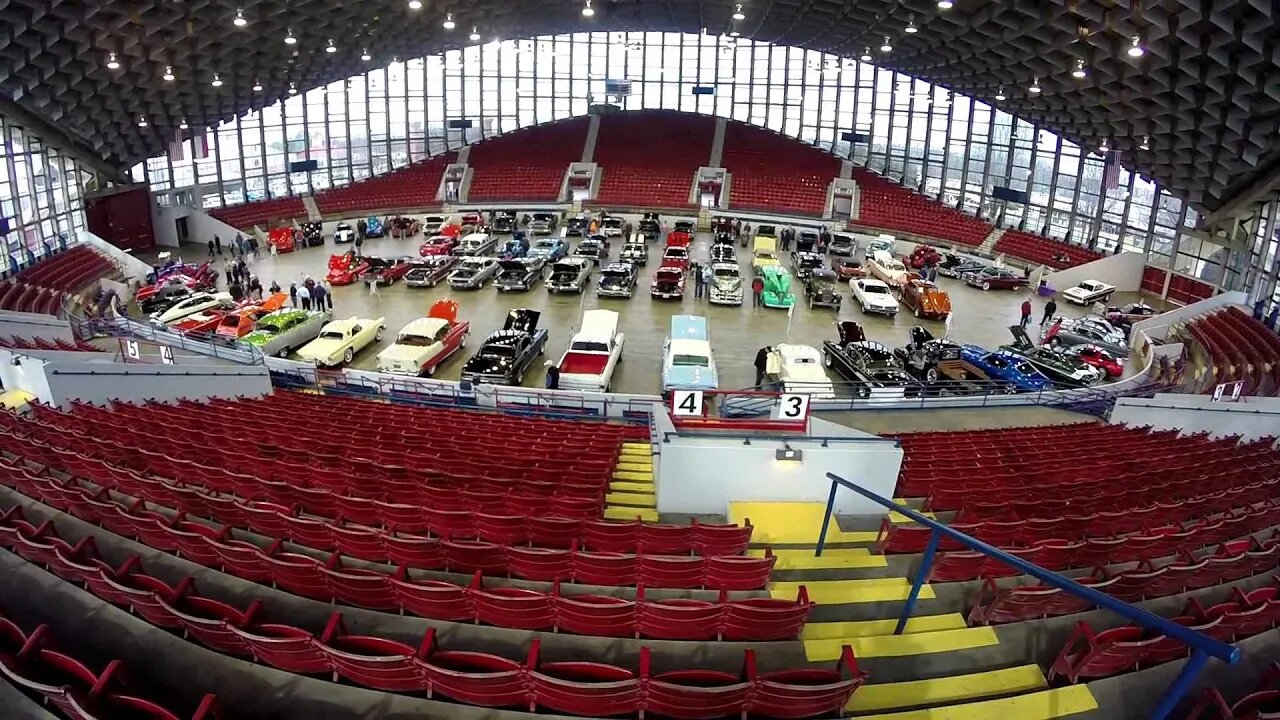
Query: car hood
column 727, row 283
column 259, row 337
column 691, row 376
column 481, row 365
column 880, row 299
column 403, row 354
column 321, row 348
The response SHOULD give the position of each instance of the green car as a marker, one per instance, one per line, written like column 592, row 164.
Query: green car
column 777, row 287
column 283, row 330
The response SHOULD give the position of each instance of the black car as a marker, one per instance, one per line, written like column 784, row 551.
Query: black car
column 428, row 271
column 504, row 221
column 805, row 263
column 924, row 355
column 518, row 274
column 723, row 254
column 822, row 289
column 312, row 234
column 576, row 227
column 594, row 248
column 684, row 226
column 953, row 266
column 650, row 227
column 1062, row 367
column 617, row 280
column 506, row 354
column 168, row 295
column 868, row 365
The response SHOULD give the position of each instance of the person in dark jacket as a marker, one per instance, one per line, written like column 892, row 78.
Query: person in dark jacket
column 217, row 244
column 1050, row 309
column 318, row 294
column 210, row 248
column 553, row 376
column 361, row 227
column 762, row 362
column 293, row 294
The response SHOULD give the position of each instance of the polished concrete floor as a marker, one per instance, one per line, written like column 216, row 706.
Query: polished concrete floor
column 737, row 332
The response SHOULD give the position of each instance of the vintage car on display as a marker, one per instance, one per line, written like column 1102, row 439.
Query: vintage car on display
column 344, row 233
column 519, row 274
column 935, row 359
column 726, row 284
column 163, row 296
column 1088, row 292
column 433, row 224
column 473, row 272
column 1088, row 330
column 764, row 253
column 1099, row 358
column 667, row 283
column 278, row 333
column 683, row 226
column 873, row 297
column 192, row 304
column 871, row 368
column 204, row 322
column 846, row 268
column 438, row 245
column 594, row 248
column 385, row 270
column 842, row 245
column 887, row 269
column 549, row 249
column 777, row 288
column 636, row 253
column 879, row 243
column 804, row 263
column 173, row 287
column 926, row 300
column 994, row 278
column 617, row 280
column 516, row 247
column 922, row 256
column 340, row 340
column 1060, row 367
column 676, row 256
column 282, row 239
column 723, row 254
column 569, row 275
column 423, row 344
column 543, row 223
column 312, row 234
column 195, row 276
column 374, row 227
column 474, row 219
column 503, row 222
column 798, row 369
column 954, row 266
column 721, row 239
column 650, row 227
column 237, row 323
column 505, row 356
column 611, row 227
column 687, row 363
column 1005, row 369
column 577, row 226
column 429, row 271
column 346, row 268
column 475, row 244
column 594, row 352
column 1127, row 315
column 821, row 289
column 766, row 231
column 404, row 227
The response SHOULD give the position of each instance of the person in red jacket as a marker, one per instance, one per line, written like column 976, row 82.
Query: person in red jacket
column 757, row 291
column 1026, row 312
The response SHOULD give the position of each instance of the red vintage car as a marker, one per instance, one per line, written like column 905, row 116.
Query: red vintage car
column 677, row 251
column 385, row 270
column 1099, row 358
column 438, row 245
column 846, row 268
column 345, row 269
column 668, row 282
column 201, row 323
column 283, row 239
column 923, row 255
column 238, row 323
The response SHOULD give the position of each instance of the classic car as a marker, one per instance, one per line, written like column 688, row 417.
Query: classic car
column 281, row 331
column 569, row 275
column 593, row 353
column 438, row 245
column 726, row 284
column 687, row 363
column 846, row 268
column 723, row 254
column 954, row 266
column 926, row 300
column 164, row 296
column 821, row 289
column 683, row 226
column 873, row 296
column 594, row 248
column 474, row 219
column 312, row 234
column 1099, row 358
column 576, row 226
column 475, row 244
column 872, row 368
column 804, row 263
column 429, row 271
column 886, row 268
column 473, row 272
column 199, row 276
column 994, row 278
column 549, row 249
column 879, row 243
column 617, row 280
column 204, row 322
column 1060, row 367
column 764, row 252
column 935, row 359
column 423, row 344
column 192, row 304
column 433, row 224
column 636, row 253
column 516, row 247
column 404, row 227
column 798, row 369
column 505, row 356
column 282, row 239
column 344, row 233
column 650, row 227
column 503, row 222
column 1088, row 292
column 543, row 223
column 1005, row 369
column 374, row 227
column 340, row 340
column 518, row 274
column 777, row 288
column 611, row 227
column 1130, row 314
column 385, row 270
column 923, row 256
column 1088, row 330
column 722, row 237
column 766, row 231
column 346, row 268
column 667, row 283
column 842, row 245
column 237, row 323
column 676, row 256
column 174, row 286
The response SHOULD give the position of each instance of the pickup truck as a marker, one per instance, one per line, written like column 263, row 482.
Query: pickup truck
column 593, row 354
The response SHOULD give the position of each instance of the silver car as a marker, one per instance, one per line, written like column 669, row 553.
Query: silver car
column 1088, row 330
column 473, row 272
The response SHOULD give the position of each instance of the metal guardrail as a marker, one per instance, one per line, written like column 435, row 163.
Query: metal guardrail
column 124, row 327
column 1203, row 647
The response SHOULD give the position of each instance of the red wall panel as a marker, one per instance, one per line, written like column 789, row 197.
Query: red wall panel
column 122, row 217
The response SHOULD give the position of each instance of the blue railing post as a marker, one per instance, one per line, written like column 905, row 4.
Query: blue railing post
column 925, row 563
column 826, row 519
column 1181, row 684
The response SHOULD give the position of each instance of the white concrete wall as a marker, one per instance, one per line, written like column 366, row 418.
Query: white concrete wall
column 27, row 375
column 1157, row 327
column 1123, row 270
column 1252, row 418
column 132, row 267
column 201, row 226
column 100, row 382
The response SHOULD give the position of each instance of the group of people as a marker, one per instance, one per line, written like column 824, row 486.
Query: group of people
column 240, row 245
column 311, row 294
column 1050, row 310
column 702, row 276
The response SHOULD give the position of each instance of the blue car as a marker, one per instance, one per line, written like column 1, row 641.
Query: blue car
column 516, row 247
column 687, row 363
column 373, row 227
column 550, row 249
column 1005, row 367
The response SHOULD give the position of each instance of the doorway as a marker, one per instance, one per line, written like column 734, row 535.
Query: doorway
column 180, row 225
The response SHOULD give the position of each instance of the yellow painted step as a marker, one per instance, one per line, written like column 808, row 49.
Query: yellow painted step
column 836, row 592
column 633, row 475
column 954, row 689
column 625, row 486
column 631, row 513
column 831, row 559
column 631, row 499
column 1045, row 705
column 897, row 517
column 862, row 628
column 636, row 464
column 785, row 523
column 906, row 644
column 635, row 446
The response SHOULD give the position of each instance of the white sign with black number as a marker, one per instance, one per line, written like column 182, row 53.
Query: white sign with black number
column 131, row 349
column 166, row 354
column 686, row 403
column 793, row 407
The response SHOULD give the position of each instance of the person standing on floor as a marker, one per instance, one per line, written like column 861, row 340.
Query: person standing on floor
column 317, row 295
column 757, row 291
column 706, row 280
column 226, row 266
column 762, row 363
column 328, row 292
column 210, row 248
column 305, row 296
column 552, row 381
column 1026, row 313
column 217, row 244
column 293, row 294
column 697, row 279
column 1050, row 309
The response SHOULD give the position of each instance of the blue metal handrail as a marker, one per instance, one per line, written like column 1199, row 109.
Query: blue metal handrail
column 1203, row 647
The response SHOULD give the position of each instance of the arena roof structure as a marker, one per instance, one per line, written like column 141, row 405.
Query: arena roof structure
column 1187, row 91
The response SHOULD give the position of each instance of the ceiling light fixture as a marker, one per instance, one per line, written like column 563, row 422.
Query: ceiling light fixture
column 1135, row 48
column 1035, row 86
column 293, row 89
column 142, row 121
column 1000, row 97
column 240, row 21
column 1146, row 143
column 168, row 73
column 330, row 48
column 217, row 81
column 587, row 10
column 945, row 4
column 737, row 12
column 112, row 62
column 1102, row 147
column 1079, row 72
column 183, row 125
column 257, row 86
column 448, row 23
column 734, row 33
column 415, row 4
column 866, row 55
column 911, row 26
column 475, row 34
column 289, row 39
column 365, row 56
column 887, row 46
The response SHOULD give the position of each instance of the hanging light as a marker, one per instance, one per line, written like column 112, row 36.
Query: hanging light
column 737, row 12
column 1146, row 143
column 289, row 39
column 183, row 125
column 217, row 81
column 448, row 23
column 734, row 33
column 886, row 46
column 911, row 28
column 1035, row 86
column 866, row 55
column 257, row 86
column 1102, row 147
column 1079, row 72
column 330, row 48
column 293, row 89
column 112, row 62
column 1135, row 48
column 945, row 4
column 240, row 21
column 415, row 4
column 365, row 56
column 1000, row 97
column 142, row 121
column 475, row 34
column 587, row 10
column 168, row 73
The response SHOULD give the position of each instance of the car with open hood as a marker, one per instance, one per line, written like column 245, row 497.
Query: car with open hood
column 842, row 245
column 995, row 278
column 516, row 246
column 543, row 223
column 519, row 274
column 1087, row 330
column 1061, row 367
column 422, row 345
column 872, row 369
column 687, row 362
column 594, row 352
column 577, row 225
column 550, row 249
column 617, row 280
column 798, row 369
column 935, row 359
column 611, row 227
column 726, row 284
column 593, row 247
column 873, row 297
column 636, row 253
column 650, row 227
column 344, row 233
column 475, row 244
column 192, row 304
column 471, row 273
column 684, row 226
column 385, row 270
column 503, row 223
column 282, row 239
column 926, row 300
column 507, row 354
column 340, row 340
column 1087, row 292
column 438, row 245
column 667, row 283
column 433, row 224
column 374, row 227
column 429, row 271
column 822, row 289
column 804, row 263
column 345, row 268
column 278, row 333
column 569, row 275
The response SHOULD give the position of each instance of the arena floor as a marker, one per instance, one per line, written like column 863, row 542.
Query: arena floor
column 736, row 332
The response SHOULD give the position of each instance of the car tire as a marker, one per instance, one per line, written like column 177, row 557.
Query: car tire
column 463, row 342
column 917, row 311
column 350, row 354
column 826, row 359
column 986, row 285
column 931, row 375
column 378, row 335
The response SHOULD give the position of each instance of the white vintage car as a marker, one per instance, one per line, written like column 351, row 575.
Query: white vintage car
column 798, row 368
column 593, row 353
column 340, row 340
column 197, row 302
column 887, row 268
column 426, row 342
column 611, row 227
column 873, row 296
column 1089, row 292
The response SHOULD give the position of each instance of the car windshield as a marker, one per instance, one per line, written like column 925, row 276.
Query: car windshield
column 543, row 217
column 413, row 339
column 333, row 335
column 689, row 361
column 676, row 252
column 875, row 289
column 727, row 272
column 500, row 350
column 544, row 245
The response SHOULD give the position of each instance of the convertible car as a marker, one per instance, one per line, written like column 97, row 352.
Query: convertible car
column 617, row 280
column 926, row 300
column 428, row 271
column 1060, row 367
column 822, row 289
column 424, row 343
column 283, row 239
column 1012, row 372
column 569, row 275
column 1099, row 358
column 374, row 227
column 994, row 278
column 668, row 283
column 278, row 333
column 340, row 340
column 777, row 288
column 871, row 367
column 404, row 227
column 594, row 248
column 473, row 272
column 438, row 245
column 346, row 268
column 385, row 270
column 549, row 249
column 519, row 274
column 505, row 356
column 312, row 234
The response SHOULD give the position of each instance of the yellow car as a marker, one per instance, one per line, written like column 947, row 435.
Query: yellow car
column 764, row 253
